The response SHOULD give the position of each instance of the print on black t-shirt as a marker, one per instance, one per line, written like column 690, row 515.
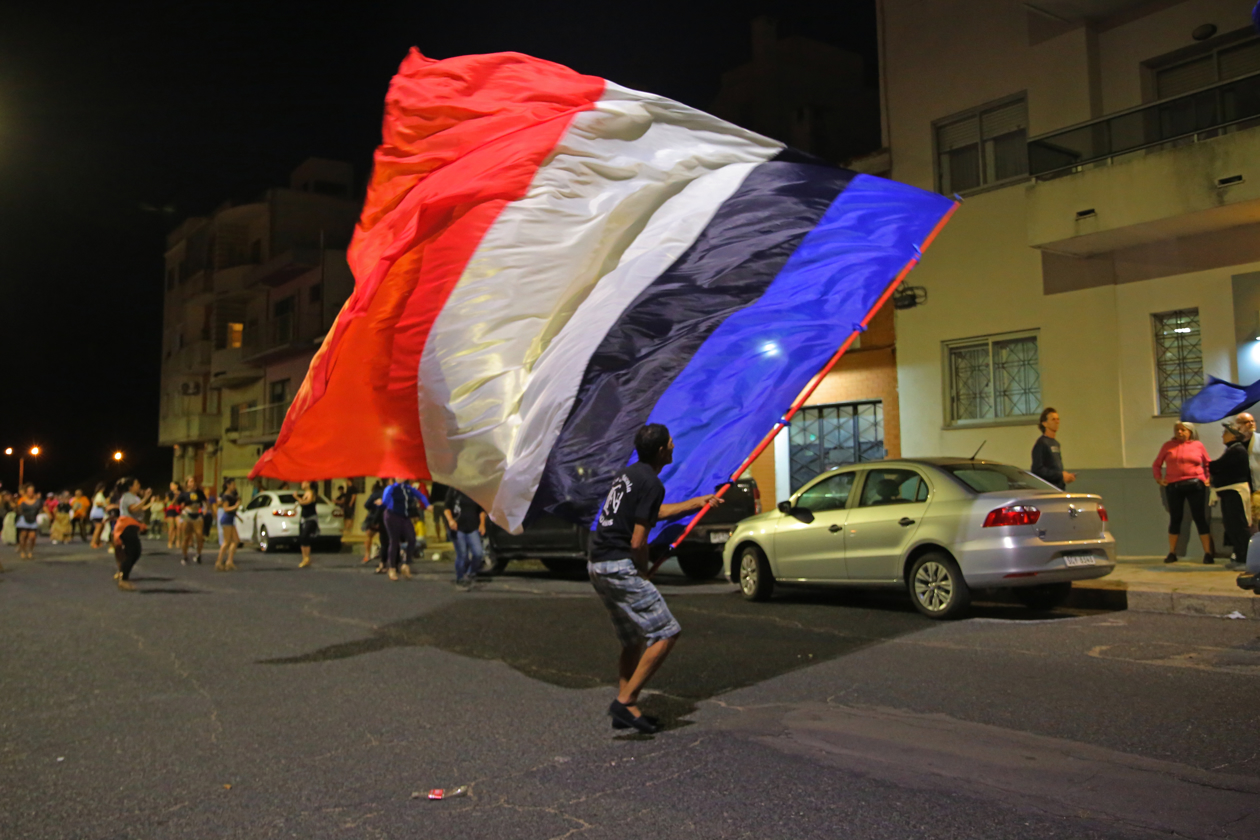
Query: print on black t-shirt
column 635, row 496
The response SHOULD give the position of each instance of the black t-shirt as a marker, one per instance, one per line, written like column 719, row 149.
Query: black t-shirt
column 636, row 496
column 467, row 513
column 227, row 500
column 309, row 511
column 191, row 501
column 1047, row 463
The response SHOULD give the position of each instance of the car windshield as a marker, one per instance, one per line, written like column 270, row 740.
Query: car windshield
column 991, row 478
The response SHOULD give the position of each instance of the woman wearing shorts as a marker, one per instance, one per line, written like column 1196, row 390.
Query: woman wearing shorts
column 171, row 515
column 97, row 514
column 191, row 503
column 28, row 510
column 308, row 526
column 229, row 503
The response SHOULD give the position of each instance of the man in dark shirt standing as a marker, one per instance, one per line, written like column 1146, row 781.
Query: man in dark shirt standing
column 467, row 523
column 619, row 565
column 1047, row 462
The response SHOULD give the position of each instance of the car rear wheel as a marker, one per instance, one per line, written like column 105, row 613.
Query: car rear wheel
column 756, row 581
column 1044, row 597
column 701, row 565
column 937, row 587
column 264, row 541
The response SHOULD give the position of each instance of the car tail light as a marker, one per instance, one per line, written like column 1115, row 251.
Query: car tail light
column 283, row 512
column 337, row 512
column 1102, row 513
column 757, row 499
column 1012, row 515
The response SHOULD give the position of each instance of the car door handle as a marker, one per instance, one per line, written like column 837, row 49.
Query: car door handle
column 834, row 528
column 905, row 521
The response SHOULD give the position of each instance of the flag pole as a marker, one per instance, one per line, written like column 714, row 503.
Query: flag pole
column 813, row 383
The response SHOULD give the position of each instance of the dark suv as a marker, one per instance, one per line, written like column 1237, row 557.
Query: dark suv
column 561, row 545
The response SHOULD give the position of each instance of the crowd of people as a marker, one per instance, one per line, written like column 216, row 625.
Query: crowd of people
column 115, row 518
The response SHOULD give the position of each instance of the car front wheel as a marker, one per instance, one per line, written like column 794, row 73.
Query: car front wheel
column 937, row 587
column 264, row 540
column 756, row 581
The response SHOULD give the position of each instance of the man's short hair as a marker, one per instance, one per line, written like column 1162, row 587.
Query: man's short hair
column 650, row 440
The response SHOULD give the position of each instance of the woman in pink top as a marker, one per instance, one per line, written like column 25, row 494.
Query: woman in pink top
column 1184, row 464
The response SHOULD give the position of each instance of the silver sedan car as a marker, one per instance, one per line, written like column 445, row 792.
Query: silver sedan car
column 939, row 527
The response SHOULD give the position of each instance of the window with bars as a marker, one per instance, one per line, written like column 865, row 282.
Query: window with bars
column 982, row 147
column 993, row 378
column 823, row 437
column 1178, row 358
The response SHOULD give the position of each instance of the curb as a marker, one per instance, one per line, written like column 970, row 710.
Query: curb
column 1167, row 601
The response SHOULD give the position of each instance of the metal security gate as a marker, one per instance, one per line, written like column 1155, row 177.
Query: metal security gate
column 826, row 436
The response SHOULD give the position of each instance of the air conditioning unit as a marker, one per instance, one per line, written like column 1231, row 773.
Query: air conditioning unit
column 190, row 389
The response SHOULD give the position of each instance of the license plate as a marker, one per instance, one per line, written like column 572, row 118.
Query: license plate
column 1080, row 560
column 719, row 536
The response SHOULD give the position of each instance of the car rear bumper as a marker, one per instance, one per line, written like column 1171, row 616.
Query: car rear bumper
column 1027, row 561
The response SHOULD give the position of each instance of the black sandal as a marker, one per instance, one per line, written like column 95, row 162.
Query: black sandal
column 621, row 714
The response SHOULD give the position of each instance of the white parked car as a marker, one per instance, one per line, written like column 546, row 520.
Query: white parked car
column 272, row 518
column 937, row 527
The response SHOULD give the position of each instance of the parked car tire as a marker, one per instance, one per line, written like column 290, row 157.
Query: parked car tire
column 700, row 565
column 567, row 569
column 1044, row 597
column 265, row 545
column 937, row 586
column 494, row 564
column 756, row 581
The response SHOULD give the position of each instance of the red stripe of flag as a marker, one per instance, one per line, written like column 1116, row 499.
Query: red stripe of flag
column 462, row 138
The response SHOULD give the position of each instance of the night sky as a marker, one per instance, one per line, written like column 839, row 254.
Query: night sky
column 119, row 120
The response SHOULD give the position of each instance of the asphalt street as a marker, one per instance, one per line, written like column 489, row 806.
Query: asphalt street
column 273, row 702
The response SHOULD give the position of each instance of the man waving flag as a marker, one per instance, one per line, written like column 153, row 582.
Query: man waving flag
column 546, row 261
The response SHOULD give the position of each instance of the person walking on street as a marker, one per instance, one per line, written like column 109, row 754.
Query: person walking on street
column 192, row 502
column 1231, row 480
column 79, row 507
column 170, row 512
column 126, row 533
column 467, row 523
column 97, row 514
column 618, row 570
column 402, row 534
column 1047, row 461
column 308, row 524
column 62, row 524
column 29, row 507
column 373, row 524
column 229, row 503
column 1181, row 469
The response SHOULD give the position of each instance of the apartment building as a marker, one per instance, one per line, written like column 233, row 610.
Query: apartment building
column 1106, row 258
column 250, row 291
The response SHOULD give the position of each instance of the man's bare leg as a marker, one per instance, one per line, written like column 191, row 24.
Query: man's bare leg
column 637, row 667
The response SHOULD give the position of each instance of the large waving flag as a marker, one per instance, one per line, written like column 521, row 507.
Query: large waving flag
column 546, row 261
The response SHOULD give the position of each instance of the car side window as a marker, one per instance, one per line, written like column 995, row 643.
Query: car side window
column 257, row 502
column 829, row 494
column 893, row 487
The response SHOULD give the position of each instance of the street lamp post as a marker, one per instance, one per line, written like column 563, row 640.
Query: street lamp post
column 33, row 452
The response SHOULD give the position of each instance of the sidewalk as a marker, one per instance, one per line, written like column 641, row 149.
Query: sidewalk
column 1146, row 584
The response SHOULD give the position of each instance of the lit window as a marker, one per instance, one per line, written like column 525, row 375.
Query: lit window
column 1178, row 358
column 235, row 333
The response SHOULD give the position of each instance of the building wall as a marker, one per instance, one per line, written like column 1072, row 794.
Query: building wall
column 1093, row 317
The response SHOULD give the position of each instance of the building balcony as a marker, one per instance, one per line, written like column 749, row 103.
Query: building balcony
column 189, row 428
column 279, row 338
column 1174, row 168
column 257, row 425
column 235, row 281
column 228, row 369
column 284, row 267
column 191, row 358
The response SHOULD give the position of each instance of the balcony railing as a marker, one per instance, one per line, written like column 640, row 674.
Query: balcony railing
column 260, row 421
column 1203, row 114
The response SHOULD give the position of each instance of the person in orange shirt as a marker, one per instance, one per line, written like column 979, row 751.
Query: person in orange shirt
column 79, row 507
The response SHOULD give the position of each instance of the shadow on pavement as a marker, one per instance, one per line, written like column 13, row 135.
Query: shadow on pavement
column 727, row 642
column 170, row 592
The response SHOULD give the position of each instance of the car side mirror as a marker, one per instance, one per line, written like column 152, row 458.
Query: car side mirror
column 785, row 507
column 803, row 514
